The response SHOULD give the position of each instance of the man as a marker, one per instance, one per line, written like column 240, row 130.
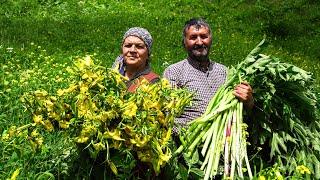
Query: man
column 199, row 74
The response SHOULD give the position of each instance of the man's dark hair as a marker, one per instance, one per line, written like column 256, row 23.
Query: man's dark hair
column 198, row 22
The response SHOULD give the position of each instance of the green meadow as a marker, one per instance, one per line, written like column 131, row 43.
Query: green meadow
column 40, row 38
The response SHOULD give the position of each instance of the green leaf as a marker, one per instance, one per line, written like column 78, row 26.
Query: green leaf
column 197, row 171
column 288, row 137
column 14, row 157
column 194, row 159
column 255, row 51
column 275, row 142
column 182, row 172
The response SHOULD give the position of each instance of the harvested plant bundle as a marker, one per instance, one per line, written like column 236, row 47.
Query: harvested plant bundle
column 101, row 115
column 286, row 124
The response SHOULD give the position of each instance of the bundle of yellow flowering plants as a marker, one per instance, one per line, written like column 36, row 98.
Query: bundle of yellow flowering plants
column 107, row 119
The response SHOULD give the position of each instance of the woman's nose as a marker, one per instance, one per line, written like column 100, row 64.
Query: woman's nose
column 133, row 48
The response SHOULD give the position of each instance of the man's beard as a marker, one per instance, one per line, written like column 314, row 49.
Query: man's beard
column 199, row 56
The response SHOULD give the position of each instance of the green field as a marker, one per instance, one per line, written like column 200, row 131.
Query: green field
column 39, row 39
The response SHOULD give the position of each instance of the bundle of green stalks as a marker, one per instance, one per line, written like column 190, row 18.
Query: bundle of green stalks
column 282, row 128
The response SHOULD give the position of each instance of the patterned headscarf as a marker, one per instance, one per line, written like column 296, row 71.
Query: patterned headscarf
column 141, row 33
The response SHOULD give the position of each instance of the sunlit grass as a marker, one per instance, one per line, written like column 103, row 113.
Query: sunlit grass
column 39, row 40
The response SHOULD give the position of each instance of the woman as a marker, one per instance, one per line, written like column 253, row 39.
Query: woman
column 134, row 62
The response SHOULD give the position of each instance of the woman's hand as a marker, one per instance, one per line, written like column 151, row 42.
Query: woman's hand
column 243, row 92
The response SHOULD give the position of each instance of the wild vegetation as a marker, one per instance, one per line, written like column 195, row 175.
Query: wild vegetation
column 39, row 39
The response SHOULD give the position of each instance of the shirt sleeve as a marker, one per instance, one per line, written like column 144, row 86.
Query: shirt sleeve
column 173, row 75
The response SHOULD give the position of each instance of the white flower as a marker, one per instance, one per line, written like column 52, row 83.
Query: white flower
column 9, row 49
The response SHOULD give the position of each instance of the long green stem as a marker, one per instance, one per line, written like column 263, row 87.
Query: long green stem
column 233, row 145
column 216, row 99
column 196, row 141
column 229, row 103
column 222, row 138
column 239, row 137
column 227, row 147
column 213, row 141
column 210, row 135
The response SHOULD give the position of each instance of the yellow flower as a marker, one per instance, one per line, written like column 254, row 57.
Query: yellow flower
column 130, row 109
column 169, row 105
column 88, row 130
column 147, row 104
column 60, row 92
column 82, row 139
column 84, row 88
column 49, row 105
column 261, row 178
column 64, row 124
column 70, row 70
column 5, row 137
column 93, row 106
column 161, row 118
column 71, row 88
column 85, row 106
column 144, row 156
column 110, row 99
column 278, row 175
column 85, row 76
column 15, row 174
column 166, row 137
column 165, row 83
column 101, row 86
column 37, row 119
column 117, row 77
column 145, row 86
column 34, row 133
column 39, row 141
column 140, row 142
column 53, row 115
column 12, row 130
column 81, row 64
column 48, row 125
column 99, row 146
column 303, row 169
column 165, row 157
column 88, row 61
column 115, row 134
column 106, row 115
column 40, row 93
column 52, row 98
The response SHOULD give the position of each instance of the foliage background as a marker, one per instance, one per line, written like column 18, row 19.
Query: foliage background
column 39, row 38
column 76, row 27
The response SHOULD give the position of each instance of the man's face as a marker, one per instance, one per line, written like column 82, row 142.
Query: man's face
column 197, row 42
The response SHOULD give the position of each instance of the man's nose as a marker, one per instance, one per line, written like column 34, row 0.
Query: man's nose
column 199, row 41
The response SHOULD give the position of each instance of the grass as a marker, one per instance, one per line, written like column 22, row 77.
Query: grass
column 72, row 27
column 38, row 39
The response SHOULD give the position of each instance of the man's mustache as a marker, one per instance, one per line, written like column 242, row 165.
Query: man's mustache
column 199, row 47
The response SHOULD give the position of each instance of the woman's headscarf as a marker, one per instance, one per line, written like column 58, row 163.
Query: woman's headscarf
column 139, row 32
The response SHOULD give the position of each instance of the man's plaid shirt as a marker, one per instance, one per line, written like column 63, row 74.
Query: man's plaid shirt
column 202, row 82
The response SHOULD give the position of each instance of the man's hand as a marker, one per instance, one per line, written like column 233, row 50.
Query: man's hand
column 243, row 92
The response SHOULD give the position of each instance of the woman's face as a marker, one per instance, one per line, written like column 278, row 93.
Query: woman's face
column 135, row 52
